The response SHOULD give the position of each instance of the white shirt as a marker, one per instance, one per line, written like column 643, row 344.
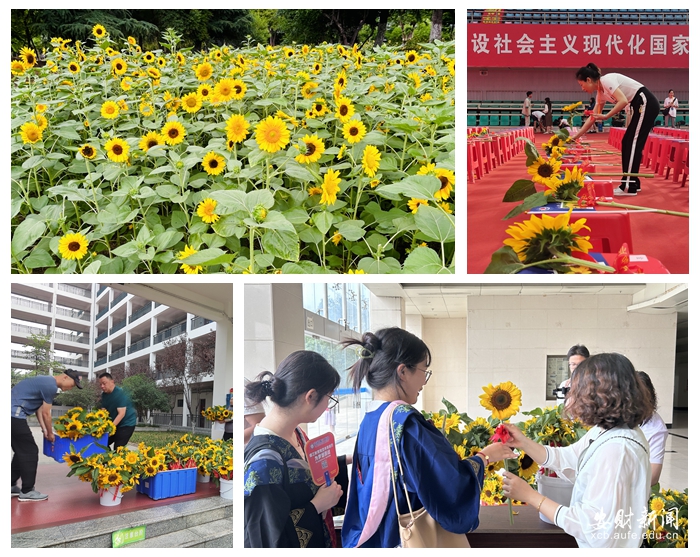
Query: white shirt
column 671, row 104
column 611, row 489
column 612, row 81
column 656, row 433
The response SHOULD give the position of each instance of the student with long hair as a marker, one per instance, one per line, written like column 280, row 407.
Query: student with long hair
column 655, row 431
column 282, row 505
column 621, row 91
column 609, row 465
column 395, row 364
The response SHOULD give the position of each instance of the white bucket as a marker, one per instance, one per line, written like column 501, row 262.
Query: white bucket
column 226, row 489
column 111, row 496
column 556, row 489
column 202, row 479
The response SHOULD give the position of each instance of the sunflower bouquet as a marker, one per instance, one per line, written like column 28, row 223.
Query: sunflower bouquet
column 78, row 422
column 255, row 159
column 217, row 413
column 121, row 467
column 573, row 107
column 222, row 460
column 667, row 520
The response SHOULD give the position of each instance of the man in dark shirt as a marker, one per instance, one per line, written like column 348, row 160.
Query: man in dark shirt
column 34, row 395
column 120, row 408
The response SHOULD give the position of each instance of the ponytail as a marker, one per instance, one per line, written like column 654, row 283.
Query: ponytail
column 590, row 70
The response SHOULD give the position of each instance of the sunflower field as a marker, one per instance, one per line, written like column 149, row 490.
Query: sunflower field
column 293, row 159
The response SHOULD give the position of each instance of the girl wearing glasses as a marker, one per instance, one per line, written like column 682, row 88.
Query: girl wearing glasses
column 283, row 507
column 395, row 364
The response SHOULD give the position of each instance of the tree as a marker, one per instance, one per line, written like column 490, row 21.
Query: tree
column 87, row 397
column 436, row 26
column 145, row 395
column 183, row 366
column 39, row 350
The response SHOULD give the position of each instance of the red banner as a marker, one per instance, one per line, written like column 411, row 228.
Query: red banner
column 573, row 46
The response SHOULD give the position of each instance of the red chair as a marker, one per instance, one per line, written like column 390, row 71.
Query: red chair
column 660, row 159
column 608, row 230
column 677, row 158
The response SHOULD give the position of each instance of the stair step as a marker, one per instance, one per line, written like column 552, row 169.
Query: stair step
column 195, row 515
column 218, row 533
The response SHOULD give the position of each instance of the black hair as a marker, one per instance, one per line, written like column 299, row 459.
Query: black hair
column 105, row 374
column 578, row 350
column 298, row 373
column 590, row 70
column 669, row 91
column 528, row 93
column 381, row 354
column 650, row 387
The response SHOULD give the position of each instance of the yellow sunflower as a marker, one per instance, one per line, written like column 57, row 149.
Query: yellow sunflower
column 109, row 110
column 204, row 91
column 341, row 82
column 18, row 67
column 318, row 108
column 214, row 164
column 151, row 139
column 354, row 131
column 72, row 458
column 271, row 134
column 527, row 467
column 99, row 31
column 330, row 187
column 30, row 133
column 73, row 67
column 540, row 238
column 657, row 504
column 192, row 102
column 203, row 71
column 237, row 128
column 146, row 109
column 205, row 210
column 88, row 151
column 149, row 57
column 223, row 89
column 173, row 132
column 154, row 73
column 312, row 150
column 28, row 56
column 411, row 57
column 119, row 67
column 447, row 179
column 308, row 90
column 545, row 171
column 567, row 189
column 344, row 109
column 316, row 68
column 503, row 400
column 414, row 203
column 336, row 238
column 188, row 269
column 117, row 150
column 239, row 89
column 370, row 160
column 73, row 246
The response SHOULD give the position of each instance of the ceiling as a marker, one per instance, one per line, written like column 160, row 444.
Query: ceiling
column 439, row 301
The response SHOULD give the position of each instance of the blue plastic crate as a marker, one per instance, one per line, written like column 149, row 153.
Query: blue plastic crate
column 62, row 445
column 170, row 483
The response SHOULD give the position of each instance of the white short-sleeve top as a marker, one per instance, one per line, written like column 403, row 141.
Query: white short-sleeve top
column 656, row 433
column 612, row 81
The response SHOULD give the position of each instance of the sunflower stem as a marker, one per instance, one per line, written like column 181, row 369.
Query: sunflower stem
column 625, row 206
column 568, row 259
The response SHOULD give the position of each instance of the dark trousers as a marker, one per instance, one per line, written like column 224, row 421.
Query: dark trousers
column 645, row 109
column 121, row 436
column 26, row 457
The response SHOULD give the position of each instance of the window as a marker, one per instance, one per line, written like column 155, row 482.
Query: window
column 557, row 371
column 345, row 304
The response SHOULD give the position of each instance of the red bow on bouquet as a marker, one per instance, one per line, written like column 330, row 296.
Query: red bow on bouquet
column 501, row 434
column 622, row 263
column 587, row 197
column 588, row 112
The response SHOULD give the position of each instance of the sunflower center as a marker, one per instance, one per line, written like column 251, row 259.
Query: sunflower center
column 237, row 89
column 343, row 110
column 310, row 149
column 545, row 171
column 173, row 133
column 273, row 136
column 526, row 462
column 191, row 102
column 73, row 246
column 87, row 151
column 354, row 131
column 444, row 181
column 109, row 110
column 151, row 143
column 225, row 90
column 117, row 150
column 411, row 58
column 33, row 134
column 501, row 399
column 319, row 107
column 341, row 82
column 213, row 164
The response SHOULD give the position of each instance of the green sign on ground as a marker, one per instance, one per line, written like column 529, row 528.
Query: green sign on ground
column 120, row 538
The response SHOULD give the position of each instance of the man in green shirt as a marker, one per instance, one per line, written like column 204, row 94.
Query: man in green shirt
column 121, row 410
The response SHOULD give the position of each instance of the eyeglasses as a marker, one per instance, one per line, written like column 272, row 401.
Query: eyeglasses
column 573, row 365
column 332, row 402
column 427, row 372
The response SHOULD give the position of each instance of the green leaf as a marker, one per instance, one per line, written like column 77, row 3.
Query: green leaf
column 424, row 260
column 435, row 224
column 385, row 266
column 166, row 239
column 178, row 220
column 415, row 187
column 274, row 221
column 281, row 243
column 93, row 268
column 535, row 200
column 210, row 256
column 519, row 190
column 39, row 258
column 229, row 225
column 126, row 250
column 67, row 133
column 167, row 191
column 259, row 197
column 296, row 170
column 504, row 261
column 352, row 230
column 323, row 221
column 28, row 232
column 451, row 408
column 33, row 162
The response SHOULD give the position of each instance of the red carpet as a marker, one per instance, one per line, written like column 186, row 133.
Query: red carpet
column 71, row 500
column 661, row 236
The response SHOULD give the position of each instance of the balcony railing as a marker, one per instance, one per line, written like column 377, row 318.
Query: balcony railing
column 140, row 312
column 21, row 354
column 74, row 290
column 83, row 362
column 118, row 299
column 82, row 339
column 101, row 337
column 101, row 361
column 74, row 313
column 117, row 326
column 100, row 290
column 31, row 304
column 117, row 354
column 101, row 312
column 171, row 332
column 197, row 322
column 17, row 328
column 140, row 345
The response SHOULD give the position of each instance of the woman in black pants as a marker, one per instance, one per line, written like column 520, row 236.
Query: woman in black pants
column 621, row 90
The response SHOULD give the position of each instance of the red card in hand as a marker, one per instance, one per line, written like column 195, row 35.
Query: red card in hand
column 322, row 459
